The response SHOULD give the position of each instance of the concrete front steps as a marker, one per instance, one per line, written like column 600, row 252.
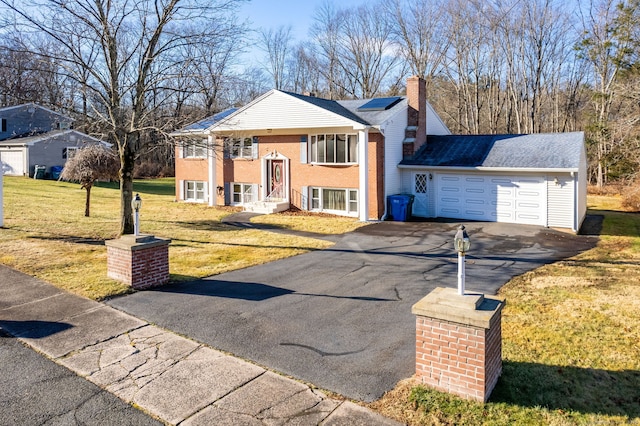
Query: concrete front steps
column 266, row 207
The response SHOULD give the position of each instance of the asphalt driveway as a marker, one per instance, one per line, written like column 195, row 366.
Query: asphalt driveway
column 341, row 318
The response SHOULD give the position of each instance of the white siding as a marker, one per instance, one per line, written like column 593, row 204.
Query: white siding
column 277, row 110
column 394, row 132
column 435, row 125
column 561, row 200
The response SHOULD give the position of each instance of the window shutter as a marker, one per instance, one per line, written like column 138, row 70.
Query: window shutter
column 180, row 149
column 227, row 193
column 254, row 192
column 181, row 189
column 206, row 191
column 254, row 148
column 304, row 198
column 303, row 149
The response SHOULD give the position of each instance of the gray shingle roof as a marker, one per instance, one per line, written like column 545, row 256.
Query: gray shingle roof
column 535, row 151
column 333, row 106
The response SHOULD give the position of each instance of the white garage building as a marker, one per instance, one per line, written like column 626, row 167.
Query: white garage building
column 537, row 179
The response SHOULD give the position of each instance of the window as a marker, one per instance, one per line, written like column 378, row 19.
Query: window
column 335, row 200
column 241, row 147
column 4, row 124
column 243, row 193
column 69, row 152
column 194, row 149
column 334, row 149
column 195, row 191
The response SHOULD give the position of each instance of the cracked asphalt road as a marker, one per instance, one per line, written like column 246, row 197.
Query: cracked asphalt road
column 35, row 391
column 341, row 318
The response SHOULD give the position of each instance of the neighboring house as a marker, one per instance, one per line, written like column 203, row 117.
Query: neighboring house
column 34, row 135
column 347, row 157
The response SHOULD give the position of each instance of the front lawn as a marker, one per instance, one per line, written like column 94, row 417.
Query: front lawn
column 571, row 342
column 46, row 234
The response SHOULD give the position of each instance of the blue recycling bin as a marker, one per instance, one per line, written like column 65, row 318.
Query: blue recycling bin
column 399, row 207
column 56, row 171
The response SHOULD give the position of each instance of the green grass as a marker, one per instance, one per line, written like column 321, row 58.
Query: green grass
column 46, row 234
column 571, row 343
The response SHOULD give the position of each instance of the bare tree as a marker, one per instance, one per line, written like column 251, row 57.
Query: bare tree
column 607, row 46
column 276, row 43
column 420, row 30
column 90, row 164
column 129, row 49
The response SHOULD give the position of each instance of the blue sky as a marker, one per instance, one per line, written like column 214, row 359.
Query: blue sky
column 297, row 13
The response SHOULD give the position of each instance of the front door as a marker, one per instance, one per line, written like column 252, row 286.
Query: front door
column 421, row 195
column 276, row 179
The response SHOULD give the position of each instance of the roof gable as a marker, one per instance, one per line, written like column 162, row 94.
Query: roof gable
column 54, row 134
column 283, row 110
column 10, row 109
column 534, row 151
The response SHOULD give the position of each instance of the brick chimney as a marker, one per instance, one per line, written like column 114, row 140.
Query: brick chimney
column 416, row 131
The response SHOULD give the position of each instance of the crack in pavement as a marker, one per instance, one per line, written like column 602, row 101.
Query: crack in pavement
column 319, row 351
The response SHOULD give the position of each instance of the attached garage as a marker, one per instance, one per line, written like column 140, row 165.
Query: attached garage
column 524, row 179
column 13, row 161
column 492, row 198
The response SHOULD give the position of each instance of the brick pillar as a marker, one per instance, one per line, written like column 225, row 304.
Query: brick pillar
column 459, row 342
column 140, row 261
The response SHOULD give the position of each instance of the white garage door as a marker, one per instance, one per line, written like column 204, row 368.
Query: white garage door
column 493, row 198
column 13, row 163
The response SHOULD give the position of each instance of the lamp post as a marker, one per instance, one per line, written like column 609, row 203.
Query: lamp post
column 461, row 243
column 136, row 203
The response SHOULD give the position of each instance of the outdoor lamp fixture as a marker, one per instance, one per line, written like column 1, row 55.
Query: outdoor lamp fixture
column 136, row 203
column 461, row 243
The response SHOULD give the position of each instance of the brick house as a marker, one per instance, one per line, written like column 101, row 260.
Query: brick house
column 285, row 149
column 346, row 157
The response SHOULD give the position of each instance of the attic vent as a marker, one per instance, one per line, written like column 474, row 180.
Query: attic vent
column 380, row 104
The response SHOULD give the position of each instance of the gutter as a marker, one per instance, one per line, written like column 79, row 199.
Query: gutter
column 489, row 169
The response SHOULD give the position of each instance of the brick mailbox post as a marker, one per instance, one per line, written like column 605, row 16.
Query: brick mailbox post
column 142, row 261
column 459, row 342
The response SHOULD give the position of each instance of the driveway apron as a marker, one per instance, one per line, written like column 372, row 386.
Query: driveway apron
column 341, row 318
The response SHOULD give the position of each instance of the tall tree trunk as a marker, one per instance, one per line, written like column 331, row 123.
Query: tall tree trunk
column 127, row 160
column 87, row 201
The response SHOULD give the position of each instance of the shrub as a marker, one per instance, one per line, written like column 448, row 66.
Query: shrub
column 631, row 197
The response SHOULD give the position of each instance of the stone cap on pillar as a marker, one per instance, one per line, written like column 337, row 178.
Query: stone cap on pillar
column 136, row 242
column 470, row 309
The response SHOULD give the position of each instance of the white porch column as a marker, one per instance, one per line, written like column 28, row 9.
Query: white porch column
column 363, row 172
column 211, row 155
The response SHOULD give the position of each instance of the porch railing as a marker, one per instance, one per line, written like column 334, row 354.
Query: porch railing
column 276, row 195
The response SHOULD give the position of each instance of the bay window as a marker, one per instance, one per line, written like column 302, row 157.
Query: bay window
column 334, row 148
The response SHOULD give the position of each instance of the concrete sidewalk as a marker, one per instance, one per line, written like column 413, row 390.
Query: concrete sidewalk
column 172, row 378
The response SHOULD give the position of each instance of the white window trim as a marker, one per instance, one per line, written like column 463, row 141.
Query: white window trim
column 243, row 190
column 193, row 149
column 69, row 152
column 232, row 144
column 347, row 212
column 185, row 191
column 313, row 155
